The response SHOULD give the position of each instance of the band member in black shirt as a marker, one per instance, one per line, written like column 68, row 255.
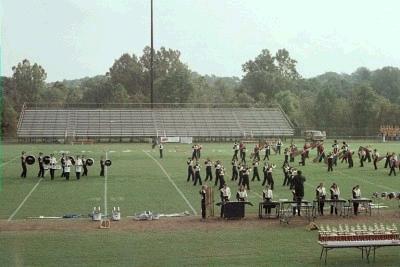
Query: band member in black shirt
column 85, row 169
column 203, row 201
column 41, row 165
column 23, row 164
column 102, row 164
column 161, row 147
column 235, row 151
column 189, row 162
column 208, row 164
column 62, row 160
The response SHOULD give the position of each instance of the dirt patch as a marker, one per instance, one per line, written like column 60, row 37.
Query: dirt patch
column 185, row 223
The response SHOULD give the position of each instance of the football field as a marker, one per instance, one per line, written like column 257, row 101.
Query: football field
column 139, row 180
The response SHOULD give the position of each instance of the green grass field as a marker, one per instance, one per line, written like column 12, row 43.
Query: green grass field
column 135, row 182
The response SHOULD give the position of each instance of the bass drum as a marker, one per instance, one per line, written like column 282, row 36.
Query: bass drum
column 107, row 163
column 89, row 162
column 30, row 160
column 46, row 160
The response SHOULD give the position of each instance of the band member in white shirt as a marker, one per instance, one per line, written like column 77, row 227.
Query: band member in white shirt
column 375, row 157
column 241, row 194
column 78, row 167
column 267, row 196
column 335, row 194
column 189, row 162
column 225, row 197
column 320, row 193
column 67, row 167
column 53, row 162
column 356, row 192
column 235, row 151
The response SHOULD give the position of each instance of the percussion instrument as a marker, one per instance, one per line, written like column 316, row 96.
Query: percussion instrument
column 107, row 162
column 89, row 162
column 46, row 160
column 30, row 160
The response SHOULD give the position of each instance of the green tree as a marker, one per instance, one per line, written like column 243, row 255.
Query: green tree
column 28, row 79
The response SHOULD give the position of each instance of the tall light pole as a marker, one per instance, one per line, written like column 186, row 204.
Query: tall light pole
column 151, row 56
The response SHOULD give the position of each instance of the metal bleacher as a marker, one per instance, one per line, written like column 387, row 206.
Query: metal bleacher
column 146, row 122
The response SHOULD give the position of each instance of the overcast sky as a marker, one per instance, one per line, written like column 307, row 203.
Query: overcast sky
column 77, row 38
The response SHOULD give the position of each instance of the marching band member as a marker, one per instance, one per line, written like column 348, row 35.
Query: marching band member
column 41, row 165
column 241, row 171
column 235, row 151
column 335, row 148
column 67, row 168
column 267, row 148
column 235, row 173
column 321, row 152
column 255, row 171
column 161, row 147
column 246, row 178
column 221, row 177
column 320, row 196
column 286, row 169
column 225, row 197
column 293, row 173
column 265, row 171
column 23, row 164
column 208, row 164
column 78, row 167
column 199, row 147
column 335, row 194
column 349, row 157
column 62, row 160
column 267, row 197
column 53, row 162
column 356, row 192
column 241, row 194
column 278, row 146
column 217, row 167
column 197, row 174
column 203, row 201
column 362, row 154
column 189, row 162
column 85, row 169
column 286, row 153
column 243, row 153
column 102, row 164
column 375, row 157
column 345, row 148
column 387, row 160
column 392, row 164
column 194, row 153
column 298, row 182
column 257, row 152
column 330, row 162
column 270, row 179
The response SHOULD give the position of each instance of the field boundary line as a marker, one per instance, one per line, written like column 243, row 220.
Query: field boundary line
column 23, row 201
column 11, row 160
column 172, row 182
column 371, row 183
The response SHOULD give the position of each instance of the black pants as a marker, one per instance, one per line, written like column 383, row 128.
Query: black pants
column 203, row 209
column 286, row 159
column 52, row 173
column 350, row 161
column 270, row 181
column 235, row 155
column 298, row 207
column 197, row 178
column 286, row 179
column 23, row 174
column 334, row 207
column 221, row 182
column 41, row 171
column 255, row 174
column 217, row 178
column 240, row 179
column 161, row 154
column 321, row 205
column 208, row 174
column 355, row 207
column 387, row 162
column 66, row 174
column 244, row 157
column 265, row 179
column 246, row 182
column 362, row 161
column 278, row 148
column 266, row 156
column 190, row 174
column 85, row 171
column 234, row 174
column 78, row 175
column 102, row 171
column 257, row 156
column 330, row 167
column 392, row 170
column 62, row 173
column 375, row 162
column 267, row 207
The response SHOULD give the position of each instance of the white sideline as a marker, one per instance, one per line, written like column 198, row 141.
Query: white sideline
column 105, row 187
column 172, row 182
column 11, row 160
column 23, row 201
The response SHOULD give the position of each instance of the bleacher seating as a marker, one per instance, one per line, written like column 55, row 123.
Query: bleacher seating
column 108, row 123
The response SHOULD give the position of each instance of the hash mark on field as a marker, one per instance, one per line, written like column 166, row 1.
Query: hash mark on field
column 172, row 182
column 23, row 201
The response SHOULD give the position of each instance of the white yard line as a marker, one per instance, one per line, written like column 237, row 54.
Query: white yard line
column 368, row 182
column 105, row 187
column 23, row 201
column 11, row 160
column 172, row 182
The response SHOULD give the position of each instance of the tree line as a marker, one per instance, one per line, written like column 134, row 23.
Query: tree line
column 342, row 104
